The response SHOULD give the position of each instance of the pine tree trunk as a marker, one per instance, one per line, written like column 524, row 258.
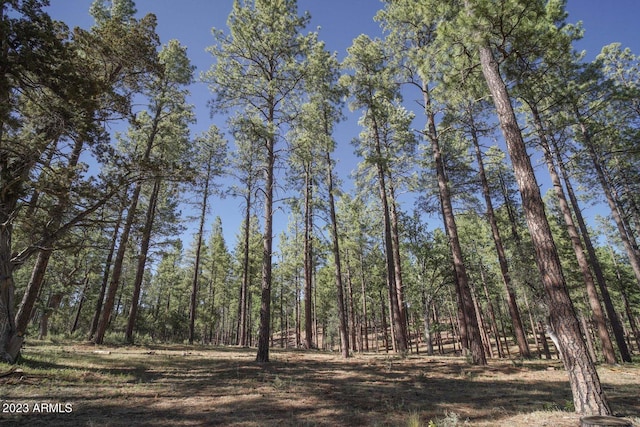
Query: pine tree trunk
column 52, row 306
column 105, row 277
column 514, row 312
column 631, row 253
column 592, row 293
column 30, row 295
column 196, row 268
column 400, row 341
column 114, row 283
column 588, row 395
column 351, row 312
column 365, row 317
column 243, row 302
column 397, row 261
column 267, row 249
column 308, row 258
column 142, row 260
column 616, row 325
column 344, row 336
column 83, row 298
column 470, row 337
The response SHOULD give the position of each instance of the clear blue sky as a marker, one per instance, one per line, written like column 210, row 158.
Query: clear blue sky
column 190, row 21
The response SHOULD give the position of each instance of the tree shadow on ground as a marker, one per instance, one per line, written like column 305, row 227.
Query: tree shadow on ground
column 212, row 387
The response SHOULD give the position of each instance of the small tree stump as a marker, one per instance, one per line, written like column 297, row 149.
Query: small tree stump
column 604, row 421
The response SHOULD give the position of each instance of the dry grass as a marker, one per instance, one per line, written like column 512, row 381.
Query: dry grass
column 194, row 385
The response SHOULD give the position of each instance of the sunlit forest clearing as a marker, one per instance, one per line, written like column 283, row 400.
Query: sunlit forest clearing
column 479, row 264
column 178, row 385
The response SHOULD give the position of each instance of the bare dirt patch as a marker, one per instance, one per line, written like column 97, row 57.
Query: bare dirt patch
column 72, row 384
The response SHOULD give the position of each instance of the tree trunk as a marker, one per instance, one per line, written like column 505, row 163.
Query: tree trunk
column 112, row 290
column 400, row 340
column 469, row 322
column 196, row 268
column 351, row 309
column 52, row 305
column 616, row 325
column 142, row 260
column 243, row 303
column 308, row 258
column 592, row 293
column 514, row 312
column 344, row 336
column 83, row 297
column 265, row 300
column 397, row 261
column 37, row 275
column 588, row 395
column 633, row 256
column 105, row 276
column 365, row 317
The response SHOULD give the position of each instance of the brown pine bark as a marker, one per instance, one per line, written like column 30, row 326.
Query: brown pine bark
column 583, row 263
column 470, row 332
column 614, row 319
column 588, row 395
column 344, row 336
column 397, row 261
column 398, row 331
column 142, row 260
column 196, row 266
column 114, row 283
column 105, row 277
column 615, row 213
column 514, row 312
column 308, row 258
column 243, row 300
column 267, row 249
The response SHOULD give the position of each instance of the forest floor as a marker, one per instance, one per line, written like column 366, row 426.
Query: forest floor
column 72, row 384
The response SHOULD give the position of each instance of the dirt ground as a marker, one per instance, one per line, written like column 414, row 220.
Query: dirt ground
column 72, row 385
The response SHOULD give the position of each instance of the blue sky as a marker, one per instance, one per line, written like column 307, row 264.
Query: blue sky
column 340, row 21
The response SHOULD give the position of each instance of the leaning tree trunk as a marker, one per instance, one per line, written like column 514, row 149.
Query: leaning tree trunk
column 114, row 283
column 631, row 253
column 592, row 293
column 105, row 276
column 614, row 319
column 142, row 260
column 514, row 312
column 469, row 320
column 37, row 275
column 588, row 395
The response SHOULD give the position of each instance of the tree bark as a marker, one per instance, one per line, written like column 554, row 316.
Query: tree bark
column 308, row 258
column 267, row 249
column 469, row 321
column 588, row 395
column 196, row 266
column 514, row 312
column 344, row 336
column 592, row 293
column 614, row 319
column 631, row 253
column 105, row 276
column 142, row 259
column 112, row 290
